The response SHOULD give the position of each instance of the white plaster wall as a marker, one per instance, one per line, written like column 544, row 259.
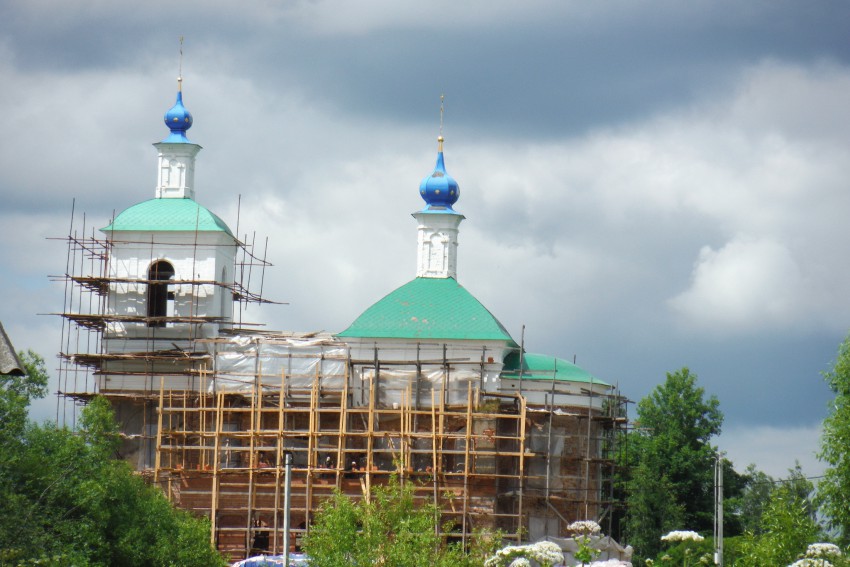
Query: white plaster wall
column 143, row 383
column 200, row 256
column 176, row 170
column 568, row 394
column 462, row 354
column 437, row 237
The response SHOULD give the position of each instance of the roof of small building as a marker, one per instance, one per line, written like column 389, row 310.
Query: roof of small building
column 429, row 308
column 9, row 362
column 168, row 214
column 545, row 367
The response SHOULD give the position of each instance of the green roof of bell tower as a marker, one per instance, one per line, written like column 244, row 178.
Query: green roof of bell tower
column 168, row 214
column 432, row 309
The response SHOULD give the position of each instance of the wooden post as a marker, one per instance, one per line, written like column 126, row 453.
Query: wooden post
column 442, row 418
column 202, row 419
column 216, row 466
column 287, row 508
column 184, row 427
column 312, row 439
column 406, row 432
column 251, row 463
column 466, row 468
column 343, row 421
column 279, row 452
column 157, row 457
column 522, row 416
column 434, row 459
column 587, row 451
column 370, row 434
column 159, row 441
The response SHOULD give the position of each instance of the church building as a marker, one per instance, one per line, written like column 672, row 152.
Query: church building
column 426, row 383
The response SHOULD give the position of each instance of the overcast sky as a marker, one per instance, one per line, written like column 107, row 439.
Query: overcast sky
column 647, row 185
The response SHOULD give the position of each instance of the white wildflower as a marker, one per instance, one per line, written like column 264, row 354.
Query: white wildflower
column 686, row 535
column 817, row 550
column 503, row 554
column 809, row 562
column 584, row 527
column 545, row 552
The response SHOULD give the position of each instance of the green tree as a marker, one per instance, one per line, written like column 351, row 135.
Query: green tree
column 735, row 487
column 16, row 393
column 788, row 525
column 64, row 499
column 671, row 462
column 34, row 384
column 388, row 529
column 754, row 499
column 653, row 510
column 834, row 488
column 333, row 538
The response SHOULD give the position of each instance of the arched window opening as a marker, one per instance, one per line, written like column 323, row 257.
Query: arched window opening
column 160, row 298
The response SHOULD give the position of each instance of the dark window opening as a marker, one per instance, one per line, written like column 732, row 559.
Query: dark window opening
column 160, row 298
column 261, row 537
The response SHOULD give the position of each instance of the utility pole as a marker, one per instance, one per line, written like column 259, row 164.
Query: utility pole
column 718, row 510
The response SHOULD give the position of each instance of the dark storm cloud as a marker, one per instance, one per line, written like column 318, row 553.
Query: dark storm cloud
column 576, row 69
column 771, row 379
column 561, row 74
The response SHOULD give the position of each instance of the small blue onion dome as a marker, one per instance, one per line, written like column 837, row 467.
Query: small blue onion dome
column 178, row 120
column 439, row 190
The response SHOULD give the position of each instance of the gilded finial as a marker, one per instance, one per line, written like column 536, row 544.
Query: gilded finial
column 442, row 111
column 180, row 67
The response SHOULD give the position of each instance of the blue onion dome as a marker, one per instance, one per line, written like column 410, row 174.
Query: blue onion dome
column 178, row 120
column 439, row 189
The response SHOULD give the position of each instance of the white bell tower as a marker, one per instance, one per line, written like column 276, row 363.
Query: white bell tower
column 438, row 223
column 176, row 258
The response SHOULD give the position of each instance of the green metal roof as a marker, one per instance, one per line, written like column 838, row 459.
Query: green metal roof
column 544, row 367
column 429, row 308
column 168, row 214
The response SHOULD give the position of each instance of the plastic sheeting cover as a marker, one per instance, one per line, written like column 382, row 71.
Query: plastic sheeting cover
column 240, row 361
column 423, row 387
column 244, row 360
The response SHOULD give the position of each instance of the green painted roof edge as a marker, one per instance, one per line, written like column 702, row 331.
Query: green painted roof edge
column 543, row 367
column 428, row 308
column 168, row 214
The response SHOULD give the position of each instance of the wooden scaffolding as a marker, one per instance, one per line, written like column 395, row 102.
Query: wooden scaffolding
column 221, row 453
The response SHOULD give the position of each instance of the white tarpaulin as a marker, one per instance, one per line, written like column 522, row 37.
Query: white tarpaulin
column 245, row 361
